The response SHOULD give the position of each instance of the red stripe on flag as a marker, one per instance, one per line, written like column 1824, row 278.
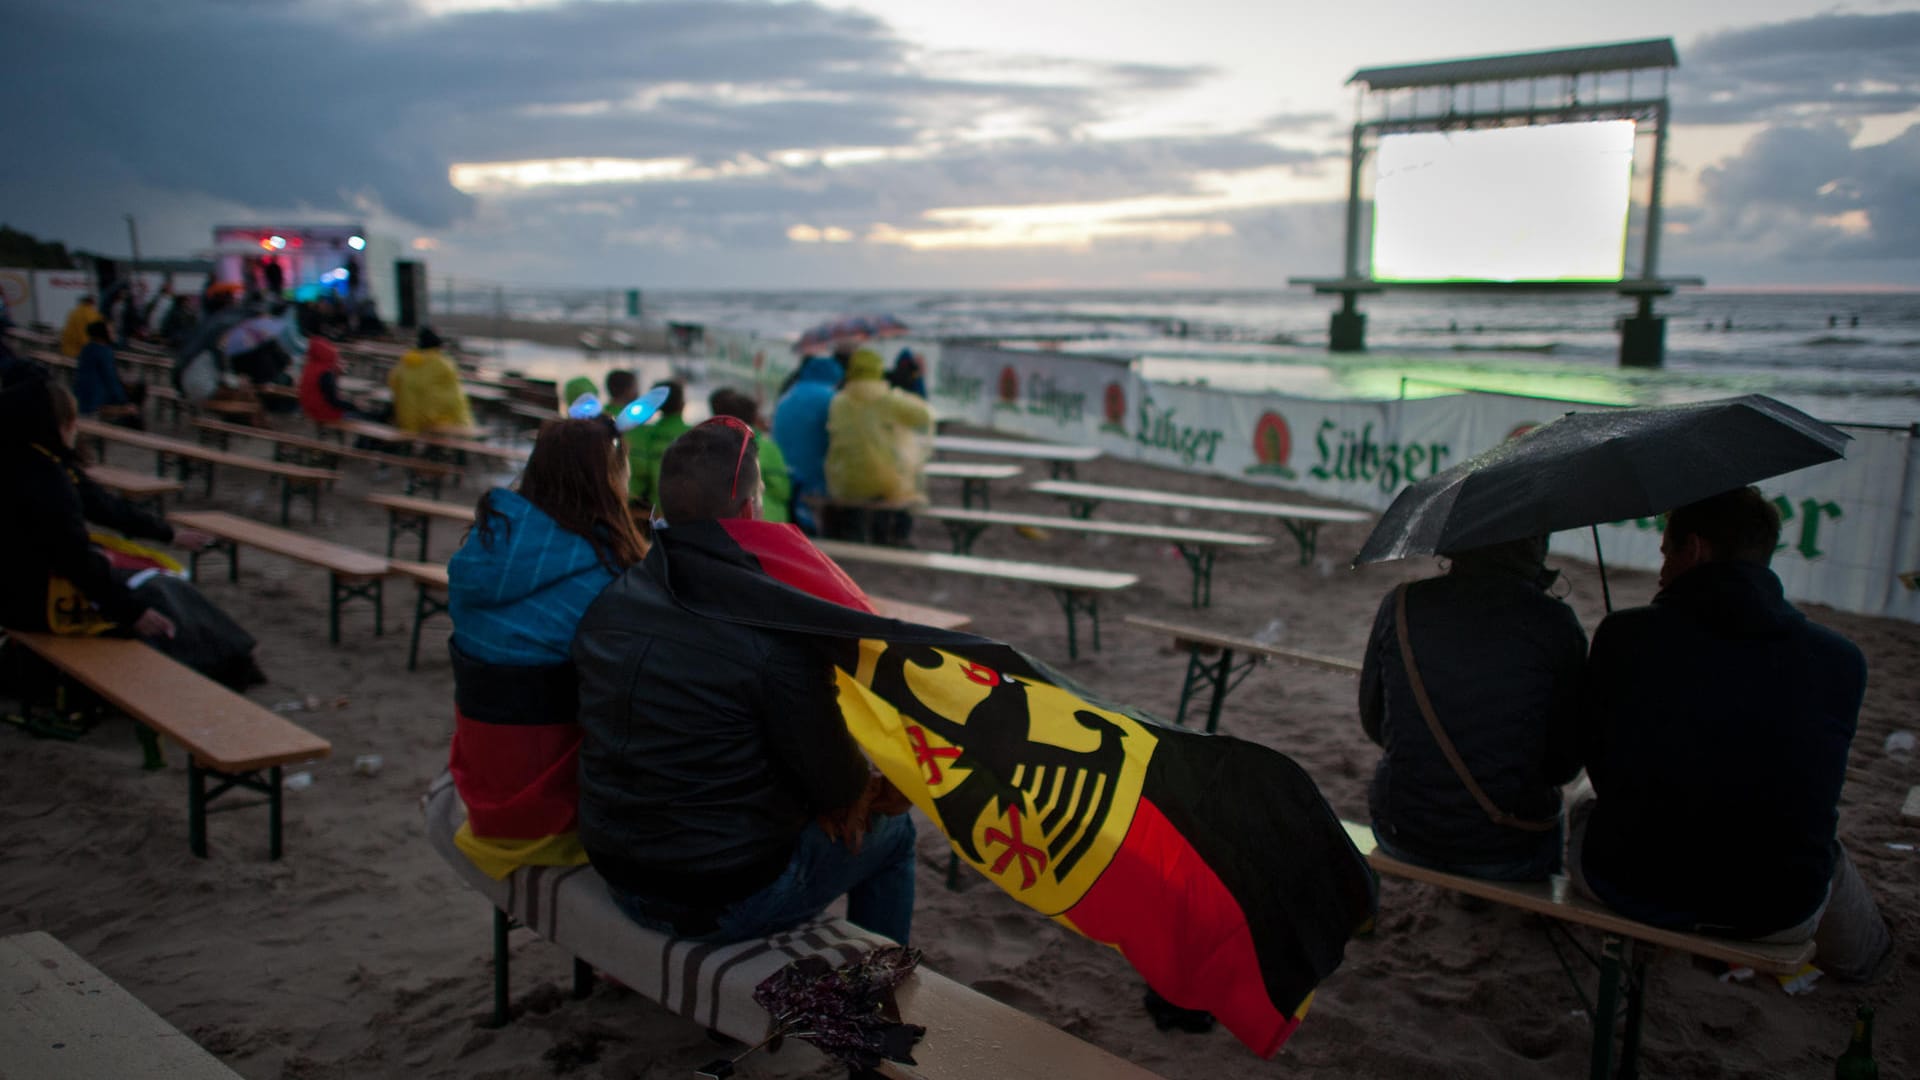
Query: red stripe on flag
column 519, row 781
column 788, row 557
column 1176, row 923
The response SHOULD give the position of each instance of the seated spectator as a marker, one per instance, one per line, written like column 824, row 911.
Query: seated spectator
column 73, row 333
column 320, row 396
column 773, row 467
column 1499, row 666
column 908, row 374
column 536, row 556
column 647, row 445
column 878, row 440
column 55, row 576
column 722, row 797
column 800, row 429
column 97, row 388
column 426, row 389
column 1716, row 738
column 622, row 388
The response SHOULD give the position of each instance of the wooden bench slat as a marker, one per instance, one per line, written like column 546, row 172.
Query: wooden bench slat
column 1171, row 534
column 1062, row 577
column 1537, row 897
column 906, row 611
column 1038, row 451
column 182, row 448
column 59, row 1016
column 1196, row 636
column 971, row 1035
column 408, row 504
column 128, row 482
column 967, row 470
column 1104, row 493
column 322, row 446
column 432, row 575
column 345, row 561
column 219, row 727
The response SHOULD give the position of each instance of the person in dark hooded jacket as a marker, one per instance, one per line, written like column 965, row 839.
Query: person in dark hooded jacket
column 1501, row 663
column 40, row 469
column 800, row 430
column 1716, row 736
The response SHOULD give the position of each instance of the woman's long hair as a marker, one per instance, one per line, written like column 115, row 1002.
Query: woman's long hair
column 573, row 478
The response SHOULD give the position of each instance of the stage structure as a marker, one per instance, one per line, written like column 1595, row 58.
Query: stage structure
column 1526, row 172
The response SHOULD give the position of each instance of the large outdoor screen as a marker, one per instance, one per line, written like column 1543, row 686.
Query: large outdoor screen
column 1543, row 203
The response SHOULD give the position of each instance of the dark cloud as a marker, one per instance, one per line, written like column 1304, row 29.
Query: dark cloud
column 1828, row 65
column 1805, row 192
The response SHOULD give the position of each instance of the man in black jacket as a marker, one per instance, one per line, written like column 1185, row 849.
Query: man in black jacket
column 721, row 795
column 1500, row 662
column 1716, row 740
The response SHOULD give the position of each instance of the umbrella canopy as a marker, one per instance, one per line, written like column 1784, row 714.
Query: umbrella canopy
column 849, row 329
column 1596, row 467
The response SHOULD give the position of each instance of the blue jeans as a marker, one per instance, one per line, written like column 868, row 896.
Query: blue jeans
column 877, row 881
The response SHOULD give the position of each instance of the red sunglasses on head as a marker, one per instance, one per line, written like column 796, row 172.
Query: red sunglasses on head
column 746, row 436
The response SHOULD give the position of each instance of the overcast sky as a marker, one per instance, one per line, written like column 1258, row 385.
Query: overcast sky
column 908, row 143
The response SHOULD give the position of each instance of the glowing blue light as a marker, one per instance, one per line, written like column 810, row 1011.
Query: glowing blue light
column 357, row 243
column 641, row 409
column 584, row 407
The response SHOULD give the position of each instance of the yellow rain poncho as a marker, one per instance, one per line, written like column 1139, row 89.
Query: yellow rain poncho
column 426, row 392
column 878, row 437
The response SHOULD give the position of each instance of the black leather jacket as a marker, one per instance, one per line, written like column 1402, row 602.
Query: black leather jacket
column 709, row 745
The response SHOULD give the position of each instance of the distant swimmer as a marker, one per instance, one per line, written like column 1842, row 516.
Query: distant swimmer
column 1728, row 325
column 1833, row 321
column 1854, row 321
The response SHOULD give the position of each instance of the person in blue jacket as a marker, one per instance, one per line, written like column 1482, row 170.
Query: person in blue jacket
column 800, row 430
column 96, row 379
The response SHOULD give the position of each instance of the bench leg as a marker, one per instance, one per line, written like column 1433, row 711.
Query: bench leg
column 1307, row 535
column 150, row 756
column 1063, row 470
column 196, row 808
column 424, row 607
column 273, row 813
column 500, row 927
column 1082, row 508
column 582, row 978
column 1606, row 1005
column 340, row 592
column 1073, row 603
column 963, row 534
column 971, row 486
column 1636, row 1000
column 1222, row 675
column 1200, row 561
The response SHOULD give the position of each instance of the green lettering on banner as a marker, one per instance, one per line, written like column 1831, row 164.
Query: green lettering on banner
column 1811, row 512
column 1354, row 457
column 1159, row 431
column 1045, row 398
column 950, row 385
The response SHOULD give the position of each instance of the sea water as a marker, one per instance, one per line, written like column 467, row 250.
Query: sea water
column 1852, row 357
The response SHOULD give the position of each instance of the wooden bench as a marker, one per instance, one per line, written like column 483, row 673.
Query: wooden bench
column 1622, row 971
column 1223, row 675
column 1197, row 546
column 1077, row 589
column 61, row 1017
column 138, row 487
column 973, row 478
column 1302, row 521
column 192, row 458
column 1061, row 458
column 323, row 454
column 406, row 514
column 920, row 613
column 352, row 574
column 226, row 736
column 462, row 447
column 969, row 1035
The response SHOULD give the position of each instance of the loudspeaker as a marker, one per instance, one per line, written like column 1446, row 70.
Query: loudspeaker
column 410, row 280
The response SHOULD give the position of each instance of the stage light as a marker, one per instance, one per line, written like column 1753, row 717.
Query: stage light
column 357, row 243
column 276, row 242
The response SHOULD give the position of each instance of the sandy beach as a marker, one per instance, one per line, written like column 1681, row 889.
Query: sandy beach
column 360, row 954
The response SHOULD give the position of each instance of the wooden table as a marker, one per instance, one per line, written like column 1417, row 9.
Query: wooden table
column 192, row 457
column 1223, row 675
column 1302, row 521
column 410, row 515
column 920, row 613
column 60, row 1017
column 1059, row 456
column 135, row 486
column 973, row 477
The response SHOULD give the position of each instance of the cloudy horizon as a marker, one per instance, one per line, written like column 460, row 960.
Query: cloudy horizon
column 755, row 144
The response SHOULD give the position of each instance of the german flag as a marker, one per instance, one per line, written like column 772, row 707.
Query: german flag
column 1214, row 865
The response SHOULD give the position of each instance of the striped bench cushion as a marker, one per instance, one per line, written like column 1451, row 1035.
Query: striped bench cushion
column 712, row 985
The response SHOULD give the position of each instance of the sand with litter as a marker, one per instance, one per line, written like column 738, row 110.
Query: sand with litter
column 360, row 954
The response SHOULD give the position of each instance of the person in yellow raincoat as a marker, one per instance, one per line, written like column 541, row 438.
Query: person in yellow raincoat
column 73, row 335
column 426, row 389
column 878, row 440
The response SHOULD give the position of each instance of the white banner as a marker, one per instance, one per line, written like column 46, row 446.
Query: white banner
column 1071, row 399
column 55, row 292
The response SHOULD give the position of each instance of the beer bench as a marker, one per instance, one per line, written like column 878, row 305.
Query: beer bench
column 969, row 1035
column 59, row 1016
column 1302, row 521
column 1197, row 546
column 226, row 736
column 352, row 574
column 1622, row 970
column 137, row 487
column 1060, row 458
column 973, row 478
column 1077, row 589
column 1223, row 675
column 406, row 514
column 194, row 458
column 322, row 454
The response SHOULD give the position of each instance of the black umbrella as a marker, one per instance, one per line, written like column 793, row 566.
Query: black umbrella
column 1586, row 469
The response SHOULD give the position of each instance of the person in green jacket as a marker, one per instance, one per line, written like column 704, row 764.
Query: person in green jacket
column 647, row 444
column 776, row 504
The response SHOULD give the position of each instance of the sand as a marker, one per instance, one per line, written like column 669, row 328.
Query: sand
column 360, row 954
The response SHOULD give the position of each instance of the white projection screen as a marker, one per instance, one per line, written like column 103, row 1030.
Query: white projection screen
column 1541, row 203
